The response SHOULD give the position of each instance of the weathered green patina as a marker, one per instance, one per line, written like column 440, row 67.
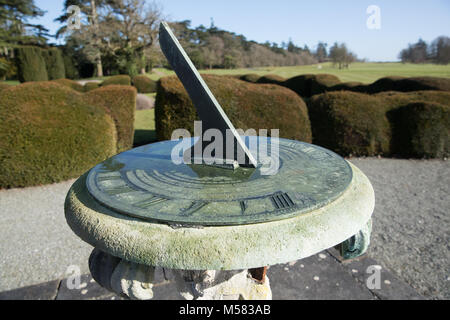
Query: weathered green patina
column 220, row 247
column 145, row 183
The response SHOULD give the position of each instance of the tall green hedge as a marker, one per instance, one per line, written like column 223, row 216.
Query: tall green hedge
column 50, row 133
column 257, row 106
column 31, row 64
column 54, row 62
column 120, row 102
column 39, row 64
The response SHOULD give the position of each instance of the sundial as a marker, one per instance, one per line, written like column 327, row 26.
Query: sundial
column 141, row 209
column 145, row 183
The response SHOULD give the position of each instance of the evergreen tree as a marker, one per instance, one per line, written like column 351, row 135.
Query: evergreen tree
column 14, row 26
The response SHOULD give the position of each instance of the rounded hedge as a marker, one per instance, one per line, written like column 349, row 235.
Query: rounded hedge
column 257, row 106
column 348, row 86
column 421, row 129
column 50, row 133
column 88, row 86
column 4, row 86
column 402, row 84
column 144, row 84
column 271, row 79
column 120, row 79
column 350, row 123
column 71, row 84
column 308, row 85
column 120, row 102
column 251, row 77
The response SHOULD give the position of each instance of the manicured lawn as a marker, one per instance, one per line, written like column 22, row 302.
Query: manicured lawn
column 11, row 82
column 362, row 72
column 144, row 127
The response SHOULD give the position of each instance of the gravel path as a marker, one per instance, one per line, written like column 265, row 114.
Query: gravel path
column 411, row 227
column 36, row 244
column 144, row 102
column 411, row 232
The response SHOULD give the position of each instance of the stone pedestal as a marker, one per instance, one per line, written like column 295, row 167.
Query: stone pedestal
column 128, row 248
column 135, row 281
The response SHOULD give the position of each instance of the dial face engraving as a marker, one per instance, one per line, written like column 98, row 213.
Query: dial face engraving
column 146, row 184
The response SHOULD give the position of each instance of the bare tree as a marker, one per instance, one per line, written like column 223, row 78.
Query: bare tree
column 440, row 50
column 214, row 51
column 133, row 27
column 341, row 56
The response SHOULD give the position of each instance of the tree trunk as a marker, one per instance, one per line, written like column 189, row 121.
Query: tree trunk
column 99, row 66
column 143, row 70
column 98, row 57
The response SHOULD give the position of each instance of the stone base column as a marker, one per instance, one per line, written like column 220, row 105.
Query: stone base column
column 135, row 281
column 221, row 285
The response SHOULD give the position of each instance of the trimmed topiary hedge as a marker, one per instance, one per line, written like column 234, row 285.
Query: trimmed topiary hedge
column 251, row 77
column 350, row 123
column 402, row 84
column 4, row 86
column 120, row 79
column 360, row 124
column 50, row 133
column 348, row 86
column 71, row 84
column 421, row 129
column 54, row 63
column 310, row 84
column 120, row 103
column 394, row 99
column 31, row 64
column 144, row 84
column 271, row 79
column 88, row 86
column 247, row 105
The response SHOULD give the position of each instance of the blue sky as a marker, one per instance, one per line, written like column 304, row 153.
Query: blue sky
column 307, row 22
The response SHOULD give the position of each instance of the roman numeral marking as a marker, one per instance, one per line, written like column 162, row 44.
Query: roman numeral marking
column 244, row 206
column 119, row 190
column 150, row 202
column 281, row 200
column 194, row 207
column 108, row 178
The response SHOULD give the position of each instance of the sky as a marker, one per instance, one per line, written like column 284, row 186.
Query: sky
column 308, row 22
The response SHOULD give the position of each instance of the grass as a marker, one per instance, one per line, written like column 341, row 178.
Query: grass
column 11, row 82
column 144, row 127
column 361, row 72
